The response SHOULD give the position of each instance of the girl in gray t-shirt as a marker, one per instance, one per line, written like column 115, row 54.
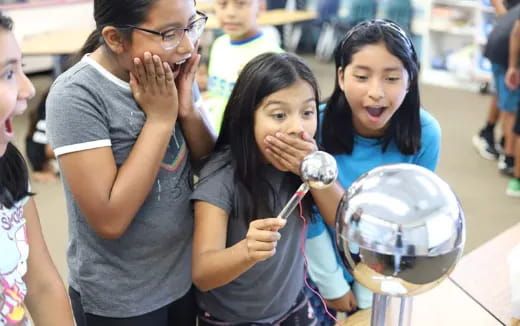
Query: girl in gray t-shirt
column 125, row 128
column 247, row 265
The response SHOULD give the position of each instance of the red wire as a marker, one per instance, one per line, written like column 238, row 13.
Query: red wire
column 306, row 263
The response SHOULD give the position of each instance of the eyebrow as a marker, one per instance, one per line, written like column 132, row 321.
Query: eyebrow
column 8, row 62
column 311, row 99
column 177, row 25
column 390, row 69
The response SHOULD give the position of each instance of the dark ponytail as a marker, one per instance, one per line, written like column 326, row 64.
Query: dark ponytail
column 91, row 44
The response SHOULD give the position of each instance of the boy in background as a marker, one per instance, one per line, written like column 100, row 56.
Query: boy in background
column 242, row 41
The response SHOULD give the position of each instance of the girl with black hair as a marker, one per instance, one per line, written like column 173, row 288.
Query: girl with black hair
column 28, row 277
column 247, row 264
column 373, row 117
column 125, row 126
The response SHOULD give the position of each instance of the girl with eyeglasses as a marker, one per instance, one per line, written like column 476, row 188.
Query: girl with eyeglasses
column 373, row 117
column 126, row 129
column 29, row 281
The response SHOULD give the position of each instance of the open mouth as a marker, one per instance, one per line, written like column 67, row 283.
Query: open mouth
column 8, row 126
column 375, row 111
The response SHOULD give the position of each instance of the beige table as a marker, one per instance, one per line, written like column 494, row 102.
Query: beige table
column 60, row 42
column 444, row 305
column 484, row 273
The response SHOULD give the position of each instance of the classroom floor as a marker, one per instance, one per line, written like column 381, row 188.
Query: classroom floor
column 476, row 181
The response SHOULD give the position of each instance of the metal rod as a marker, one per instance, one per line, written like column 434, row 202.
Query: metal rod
column 291, row 204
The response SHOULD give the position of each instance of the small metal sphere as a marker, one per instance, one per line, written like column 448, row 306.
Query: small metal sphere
column 319, row 170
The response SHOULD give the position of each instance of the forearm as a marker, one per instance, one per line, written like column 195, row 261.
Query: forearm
column 324, row 270
column 198, row 133
column 49, row 305
column 217, row 268
column 327, row 201
column 135, row 178
column 514, row 46
column 500, row 9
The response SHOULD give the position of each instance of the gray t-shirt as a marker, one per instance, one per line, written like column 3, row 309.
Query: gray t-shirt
column 150, row 265
column 268, row 290
column 497, row 46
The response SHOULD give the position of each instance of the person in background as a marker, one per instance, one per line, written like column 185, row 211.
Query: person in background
column 242, row 41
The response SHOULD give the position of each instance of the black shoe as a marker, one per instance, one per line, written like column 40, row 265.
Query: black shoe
column 484, row 142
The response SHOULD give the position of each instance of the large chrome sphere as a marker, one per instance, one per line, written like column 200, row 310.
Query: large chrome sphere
column 319, row 170
column 400, row 229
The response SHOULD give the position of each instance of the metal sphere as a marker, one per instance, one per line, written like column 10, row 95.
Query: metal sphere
column 400, row 229
column 319, row 170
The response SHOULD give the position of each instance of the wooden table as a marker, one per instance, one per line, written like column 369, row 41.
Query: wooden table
column 67, row 41
column 484, row 273
column 205, row 6
column 444, row 305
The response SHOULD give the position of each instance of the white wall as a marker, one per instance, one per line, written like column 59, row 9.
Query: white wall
column 32, row 20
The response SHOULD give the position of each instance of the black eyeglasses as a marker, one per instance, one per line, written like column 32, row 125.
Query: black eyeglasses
column 173, row 36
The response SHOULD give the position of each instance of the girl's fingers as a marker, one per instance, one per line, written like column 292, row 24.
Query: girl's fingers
column 194, row 60
column 168, row 75
column 281, row 146
column 294, row 159
column 139, row 71
column 150, row 68
column 304, row 142
column 264, row 236
column 159, row 71
column 262, row 246
column 193, row 66
column 268, row 223
column 134, row 84
column 283, row 161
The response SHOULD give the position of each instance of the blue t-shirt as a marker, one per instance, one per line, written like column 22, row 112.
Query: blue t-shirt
column 368, row 154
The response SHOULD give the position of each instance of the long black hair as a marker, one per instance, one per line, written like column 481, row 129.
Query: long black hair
column 405, row 126
column 115, row 13
column 262, row 76
column 14, row 177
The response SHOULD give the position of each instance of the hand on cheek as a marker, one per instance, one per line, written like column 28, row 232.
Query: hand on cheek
column 289, row 151
column 184, row 82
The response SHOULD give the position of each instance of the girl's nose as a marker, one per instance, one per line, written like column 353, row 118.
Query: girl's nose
column 186, row 45
column 295, row 127
column 26, row 88
column 376, row 91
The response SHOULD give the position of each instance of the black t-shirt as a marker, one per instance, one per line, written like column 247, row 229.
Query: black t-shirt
column 497, row 47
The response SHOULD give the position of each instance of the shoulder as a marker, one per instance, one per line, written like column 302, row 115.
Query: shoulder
column 429, row 123
column 76, row 75
column 80, row 83
column 220, row 41
column 268, row 43
column 216, row 183
column 218, row 166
